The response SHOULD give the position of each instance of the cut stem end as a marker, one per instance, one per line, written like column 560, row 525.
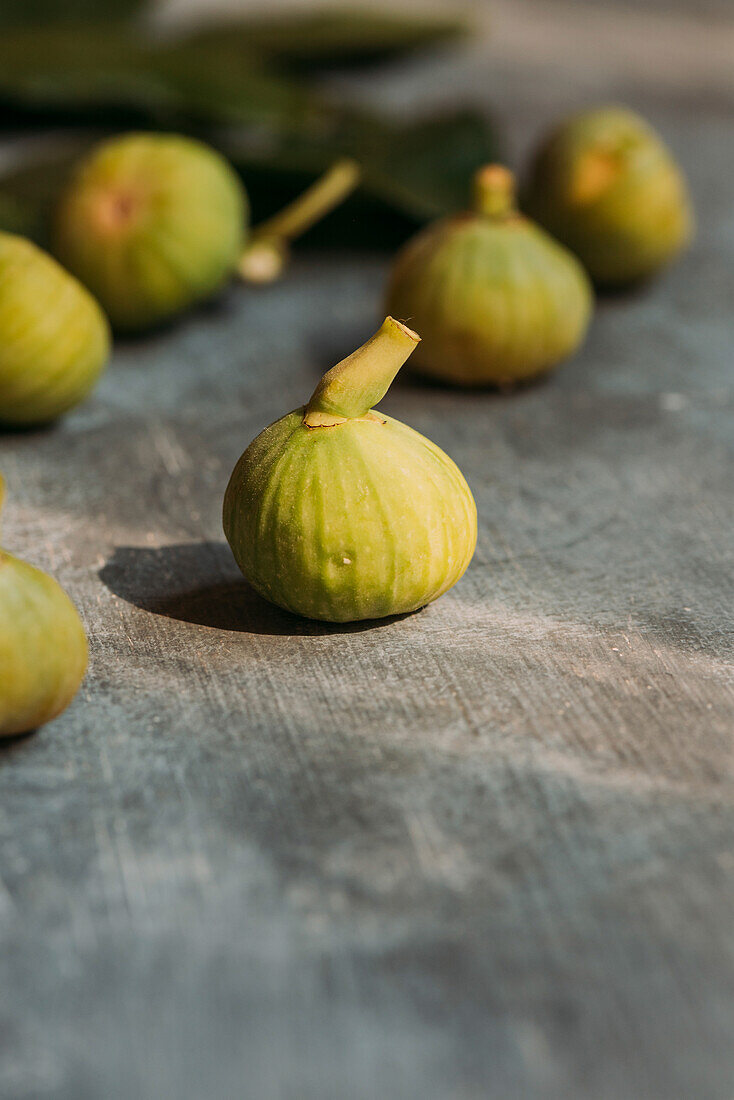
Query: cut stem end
column 351, row 388
column 263, row 261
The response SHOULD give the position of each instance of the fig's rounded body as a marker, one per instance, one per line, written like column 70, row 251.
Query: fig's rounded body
column 353, row 520
column 151, row 223
column 43, row 648
column 606, row 185
column 54, row 338
column 495, row 299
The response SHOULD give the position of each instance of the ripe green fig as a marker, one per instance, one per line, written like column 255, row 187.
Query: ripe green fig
column 338, row 512
column 605, row 184
column 154, row 223
column 496, row 300
column 43, row 647
column 54, row 338
column 151, row 223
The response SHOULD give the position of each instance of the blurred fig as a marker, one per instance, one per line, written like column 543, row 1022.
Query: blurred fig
column 338, row 512
column 54, row 338
column 151, row 223
column 605, row 184
column 43, row 647
column 496, row 300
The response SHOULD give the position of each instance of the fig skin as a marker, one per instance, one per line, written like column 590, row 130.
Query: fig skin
column 605, row 184
column 54, row 338
column 43, row 647
column 496, row 300
column 338, row 513
column 151, row 224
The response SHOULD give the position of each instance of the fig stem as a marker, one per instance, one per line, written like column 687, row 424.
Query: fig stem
column 266, row 253
column 494, row 191
column 353, row 386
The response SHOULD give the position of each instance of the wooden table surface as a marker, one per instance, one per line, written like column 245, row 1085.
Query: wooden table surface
column 485, row 851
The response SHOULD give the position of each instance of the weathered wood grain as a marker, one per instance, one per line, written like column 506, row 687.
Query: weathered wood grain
column 482, row 851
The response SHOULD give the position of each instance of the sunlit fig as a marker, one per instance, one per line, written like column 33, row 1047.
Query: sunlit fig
column 43, row 647
column 54, row 338
column 154, row 223
column 605, row 184
column 151, row 223
column 338, row 512
column 495, row 299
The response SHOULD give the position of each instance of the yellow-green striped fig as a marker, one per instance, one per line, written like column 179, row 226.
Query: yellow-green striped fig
column 151, row 223
column 338, row 512
column 54, row 338
column 43, row 647
column 606, row 185
column 495, row 299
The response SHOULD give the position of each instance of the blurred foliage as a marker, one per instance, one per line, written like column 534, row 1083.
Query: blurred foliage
column 332, row 38
column 98, row 74
column 248, row 88
column 28, row 193
column 26, row 12
column 421, row 170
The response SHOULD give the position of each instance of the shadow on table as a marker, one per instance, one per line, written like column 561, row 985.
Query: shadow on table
column 200, row 583
column 10, row 745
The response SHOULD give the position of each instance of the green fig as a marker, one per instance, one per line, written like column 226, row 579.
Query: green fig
column 54, row 338
column 154, row 223
column 43, row 647
column 151, row 223
column 495, row 299
column 605, row 184
column 338, row 512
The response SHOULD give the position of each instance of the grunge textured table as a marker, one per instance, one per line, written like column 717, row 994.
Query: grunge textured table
column 483, row 851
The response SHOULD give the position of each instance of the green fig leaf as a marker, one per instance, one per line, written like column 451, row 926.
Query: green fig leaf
column 420, row 170
column 222, row 86
column 211, row 76
column 114, row 75
column 331, row 38
column 15, row 13
column 425, row 169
